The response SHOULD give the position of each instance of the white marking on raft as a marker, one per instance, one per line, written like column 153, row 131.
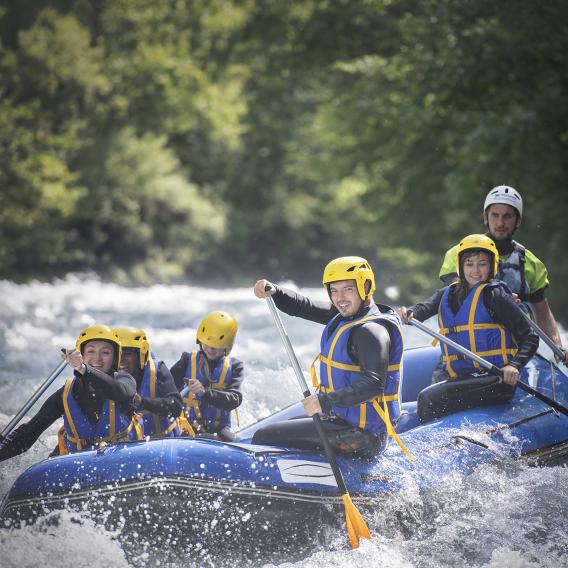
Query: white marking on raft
column 300, row 471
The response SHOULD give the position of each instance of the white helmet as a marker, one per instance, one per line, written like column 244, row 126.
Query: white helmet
column 507, row 195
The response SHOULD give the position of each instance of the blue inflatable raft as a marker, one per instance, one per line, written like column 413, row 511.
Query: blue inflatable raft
column 203, row 486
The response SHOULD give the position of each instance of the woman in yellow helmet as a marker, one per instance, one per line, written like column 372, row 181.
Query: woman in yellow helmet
column 209, row 379
column 95, row 402
column 480, row 314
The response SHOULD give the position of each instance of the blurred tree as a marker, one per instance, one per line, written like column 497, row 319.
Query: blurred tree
column 282, row 133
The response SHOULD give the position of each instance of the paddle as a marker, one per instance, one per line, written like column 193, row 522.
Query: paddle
column 558, row 351
column 487, row 365
column 33, row 399
column 356, row 526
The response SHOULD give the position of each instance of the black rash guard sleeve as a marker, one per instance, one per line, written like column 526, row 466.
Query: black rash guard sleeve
column 168, row 399
column 428, row 308
column 506, row 312
column 538, row 296
column 369, row 345
column 23, row 437
column 231, row 397
column 121, row 387
column 178, row 371
column 295, row 304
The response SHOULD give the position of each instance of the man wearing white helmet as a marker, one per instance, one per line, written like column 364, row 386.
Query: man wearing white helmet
column 519, row 268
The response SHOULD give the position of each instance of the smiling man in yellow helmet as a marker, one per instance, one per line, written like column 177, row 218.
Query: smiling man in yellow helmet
column 210, row 379
column 95, row 401
column 360, row 363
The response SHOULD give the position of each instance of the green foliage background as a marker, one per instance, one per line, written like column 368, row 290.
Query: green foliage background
column 218, row 141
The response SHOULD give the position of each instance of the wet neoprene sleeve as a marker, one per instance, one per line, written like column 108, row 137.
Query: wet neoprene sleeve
column 120, row 387
column 168, row 400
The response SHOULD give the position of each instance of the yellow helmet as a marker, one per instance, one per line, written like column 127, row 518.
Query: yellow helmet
column 218, row 330
column 100, row 332
column 479, row 242
column 351, row 268
column 135, row 338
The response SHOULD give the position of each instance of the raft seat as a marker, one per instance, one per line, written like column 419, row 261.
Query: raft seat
column 419, row 364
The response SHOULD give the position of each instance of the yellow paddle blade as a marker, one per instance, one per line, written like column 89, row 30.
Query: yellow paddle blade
column 356, row 525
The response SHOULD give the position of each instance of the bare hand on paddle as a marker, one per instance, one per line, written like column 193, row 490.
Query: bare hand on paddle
column 312, row 405
column 260, row 288
column 74, row 359
column 404, row 313
column 510, row 375
column 196, row 387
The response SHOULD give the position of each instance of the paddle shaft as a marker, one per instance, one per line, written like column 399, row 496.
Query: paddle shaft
column 487, row 365
column 33, row 399
column 306, row 392
column 558, row 351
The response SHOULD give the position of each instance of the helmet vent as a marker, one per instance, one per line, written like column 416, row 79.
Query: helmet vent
column 351, row 268
column 221, row 336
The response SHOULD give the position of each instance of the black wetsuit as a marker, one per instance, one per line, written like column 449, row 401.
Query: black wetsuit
column 229, row 398
column 168, row 400
column 369, row 346
column 91, row 391
column 446, row 396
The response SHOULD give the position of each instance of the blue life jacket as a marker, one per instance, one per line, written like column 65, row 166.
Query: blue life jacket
column 79, row 432
column 338, row 370
column 154, row 425
column 202, row 416
column 474, row 328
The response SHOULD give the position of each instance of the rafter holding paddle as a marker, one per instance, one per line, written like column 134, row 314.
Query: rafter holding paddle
column 356, row 526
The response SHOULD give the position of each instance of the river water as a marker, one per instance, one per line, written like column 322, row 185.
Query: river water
column 510, row 514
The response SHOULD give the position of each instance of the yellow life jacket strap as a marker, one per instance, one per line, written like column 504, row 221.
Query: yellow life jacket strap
column 116, row 436
column 237, row 417
column 363, row 407
column 446, row 330
column 185, row 425
column 136, row 419
column 481, row 354
column 221, row 382
column 471, row 321
column 75, row 439
column 313, row 373
column 190, row 400
column 155, row 418
column 384, row 415
column 61, row 442
column 336, row 365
